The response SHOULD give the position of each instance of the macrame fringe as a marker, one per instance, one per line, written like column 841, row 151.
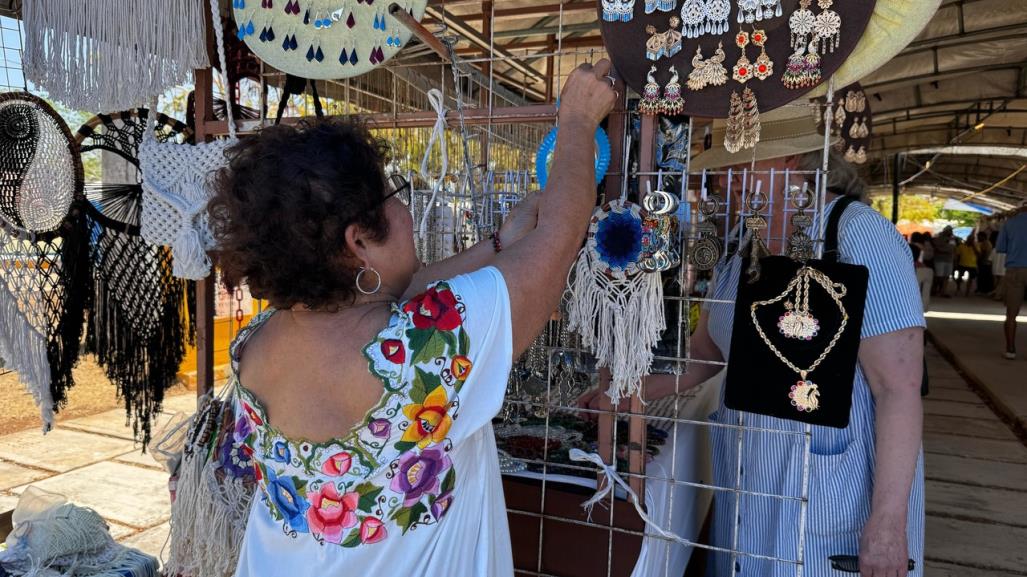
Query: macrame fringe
column 142, row 365
column 24, row 350
column 106, row 55
column 208, row 516
column 619, row 319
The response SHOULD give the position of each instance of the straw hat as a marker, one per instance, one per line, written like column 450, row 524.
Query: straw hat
column 785, row 131
column 894, row 24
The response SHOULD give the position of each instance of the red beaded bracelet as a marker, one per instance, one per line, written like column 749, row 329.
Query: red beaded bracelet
column 496, row 243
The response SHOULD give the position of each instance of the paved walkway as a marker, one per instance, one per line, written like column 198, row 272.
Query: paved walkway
column 969, row 332
column 94, row 462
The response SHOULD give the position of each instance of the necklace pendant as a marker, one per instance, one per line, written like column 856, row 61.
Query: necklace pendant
column 798, row 325
column 805, row 396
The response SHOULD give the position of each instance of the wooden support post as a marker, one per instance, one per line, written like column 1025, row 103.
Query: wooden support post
column 550, row 66
column 204, row 95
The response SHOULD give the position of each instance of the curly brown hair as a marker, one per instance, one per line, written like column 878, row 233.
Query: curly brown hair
column 280, row 210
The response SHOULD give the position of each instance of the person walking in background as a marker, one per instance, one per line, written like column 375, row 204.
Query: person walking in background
column 924, row 274
column 944, row 259
column 1012, row 242
column 985, row 280
column 998, row 270
column 966, row 265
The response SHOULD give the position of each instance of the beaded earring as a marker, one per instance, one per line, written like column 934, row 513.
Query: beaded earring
column 672, row 104
column 650, row 103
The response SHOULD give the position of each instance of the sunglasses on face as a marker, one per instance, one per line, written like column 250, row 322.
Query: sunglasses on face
column 397, row 186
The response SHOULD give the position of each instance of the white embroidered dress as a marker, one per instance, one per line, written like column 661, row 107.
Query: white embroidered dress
column 414, row 488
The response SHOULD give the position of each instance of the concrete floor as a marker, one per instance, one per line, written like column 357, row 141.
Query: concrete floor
column 976, row 466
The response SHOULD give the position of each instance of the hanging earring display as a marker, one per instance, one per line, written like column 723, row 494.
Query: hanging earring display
column 805, row 394
column 708, row 72
column 661, row 5
column 615, row 306
column 755, row 223
column 828, row 27
column 672, row 104
column 705, row 253
column 650, row 104
column 764, row 66
column 317, row 44
column 800, row 245
column 618, row 10
column 743, row 122
column 663, row 44
column 742, row 71
column 705, row 17
column 659, row 253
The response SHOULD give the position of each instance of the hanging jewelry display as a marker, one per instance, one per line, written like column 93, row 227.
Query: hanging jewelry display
column 663, row 44
column 102, row 57
column 764, row 66
column 672, row 104
column 176, row 185
column 544, row 156
column 750, row 11
column 650, row 103
column 705, row 253
column 139, row 317
column 742, row 70
column 798, row 322
column 615, row 306
column 340, row 38
column 743, row 123
column 705, row 17
column 708, row 72
column 828, row 28
column 661, row 5
column 659, row 246
column 619, row 10
column 800, row 245
column 44, row 249
column 755, row 223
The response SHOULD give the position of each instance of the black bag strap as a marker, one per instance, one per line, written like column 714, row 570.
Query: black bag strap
column 831, row 234
column 296, row 85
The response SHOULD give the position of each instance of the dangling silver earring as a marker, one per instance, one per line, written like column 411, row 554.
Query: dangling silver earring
column 377, row 286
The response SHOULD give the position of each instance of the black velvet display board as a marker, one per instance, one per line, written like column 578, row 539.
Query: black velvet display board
column 758, row 381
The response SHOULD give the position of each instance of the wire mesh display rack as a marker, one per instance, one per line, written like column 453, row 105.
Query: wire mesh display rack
column 498, row 109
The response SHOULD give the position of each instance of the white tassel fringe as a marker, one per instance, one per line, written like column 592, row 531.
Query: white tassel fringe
column 619, row 319
column 110, row 55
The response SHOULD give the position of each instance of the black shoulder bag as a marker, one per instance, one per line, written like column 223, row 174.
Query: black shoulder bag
column 778, row 365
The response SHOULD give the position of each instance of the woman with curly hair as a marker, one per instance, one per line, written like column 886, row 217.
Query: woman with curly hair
column 364, row 394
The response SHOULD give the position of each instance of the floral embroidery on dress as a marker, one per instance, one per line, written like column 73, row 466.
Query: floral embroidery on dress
column 392, row 472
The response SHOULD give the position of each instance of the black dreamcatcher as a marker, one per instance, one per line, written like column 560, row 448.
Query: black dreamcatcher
column 44, row 249
column 140, row 316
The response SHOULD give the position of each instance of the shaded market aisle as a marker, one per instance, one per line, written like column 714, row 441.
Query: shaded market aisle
column 976, row 472
column 976, row 477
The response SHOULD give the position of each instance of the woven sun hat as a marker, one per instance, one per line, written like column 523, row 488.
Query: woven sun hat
column 893, row 25
column 785, row 131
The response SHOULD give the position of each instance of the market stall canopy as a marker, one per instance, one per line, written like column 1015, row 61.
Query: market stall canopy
column 954, row 101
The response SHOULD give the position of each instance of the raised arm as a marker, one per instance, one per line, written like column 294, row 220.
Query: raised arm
column 535, row 269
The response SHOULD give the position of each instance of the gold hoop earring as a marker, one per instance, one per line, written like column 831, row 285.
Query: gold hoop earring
column 377, row 286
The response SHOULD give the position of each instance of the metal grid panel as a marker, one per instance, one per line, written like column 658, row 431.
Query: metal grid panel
column 471, row 198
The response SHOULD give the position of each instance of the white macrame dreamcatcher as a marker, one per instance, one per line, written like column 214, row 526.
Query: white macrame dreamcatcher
column 176, row 185
column 44, row 249
column 104, row 55
column 616, row 306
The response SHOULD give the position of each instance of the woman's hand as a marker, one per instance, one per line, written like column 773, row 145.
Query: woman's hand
column 883, row 551
column 521, row 221
column 588, row 95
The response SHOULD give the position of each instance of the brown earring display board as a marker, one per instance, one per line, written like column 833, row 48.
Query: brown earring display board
column 850, row 141
column 626, row 44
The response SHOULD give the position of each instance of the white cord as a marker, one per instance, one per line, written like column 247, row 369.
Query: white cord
column 611, row 478
column 438, row 134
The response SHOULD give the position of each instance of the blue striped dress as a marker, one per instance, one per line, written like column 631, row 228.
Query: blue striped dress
column 841, row 461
